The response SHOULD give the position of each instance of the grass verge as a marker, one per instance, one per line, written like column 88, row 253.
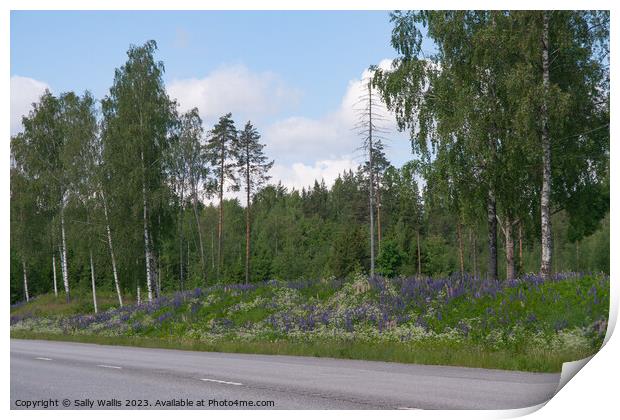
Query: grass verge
column 429, row 353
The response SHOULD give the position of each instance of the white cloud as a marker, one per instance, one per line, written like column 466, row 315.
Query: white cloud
column 330, row 137
column 297, row 139
column 24, row 92
column 234, row 89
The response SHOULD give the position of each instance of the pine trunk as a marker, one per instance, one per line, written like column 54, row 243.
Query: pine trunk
column 545, row 198
column 92, row 278
column 492, row 226
column 26, row 294
column 247, row 218
column 221, row 216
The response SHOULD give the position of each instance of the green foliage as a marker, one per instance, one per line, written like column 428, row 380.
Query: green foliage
column 349, row 250
column 390, row 259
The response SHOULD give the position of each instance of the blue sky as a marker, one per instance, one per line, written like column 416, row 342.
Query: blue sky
column 290, row 72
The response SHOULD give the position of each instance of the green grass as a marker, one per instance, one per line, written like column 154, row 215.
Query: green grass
column 429, row 353
column 81, row 302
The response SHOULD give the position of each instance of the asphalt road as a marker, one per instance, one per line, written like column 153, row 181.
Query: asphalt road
column 86, row 373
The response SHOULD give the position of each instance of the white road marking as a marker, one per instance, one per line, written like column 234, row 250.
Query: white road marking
column 221, row 382
column 110, row 367
column 43, row 358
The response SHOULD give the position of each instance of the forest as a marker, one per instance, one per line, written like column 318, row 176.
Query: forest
column 508, row 173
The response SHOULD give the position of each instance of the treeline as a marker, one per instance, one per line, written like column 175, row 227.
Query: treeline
column 116, row 196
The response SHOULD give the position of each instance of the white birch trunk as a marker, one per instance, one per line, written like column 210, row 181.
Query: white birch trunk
column 147, row 253
column 65, row 274
column 54, row 271
column 545, row 197
column 92, row 278
column 111, row 248
column 25, row 282
column 62, row 267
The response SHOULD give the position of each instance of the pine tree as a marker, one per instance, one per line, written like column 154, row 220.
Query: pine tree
column 253, row 166
column 221, row 153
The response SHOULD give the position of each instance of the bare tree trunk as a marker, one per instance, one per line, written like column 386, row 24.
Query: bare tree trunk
column 460, row 238
column 54, row 271
column 65, row 273
column 92, row 278
column 492, row 225
column 510, row 250
column 27, row 295
column 545, row 198
column 138, row 295
column 111, row 249
column 371, row 184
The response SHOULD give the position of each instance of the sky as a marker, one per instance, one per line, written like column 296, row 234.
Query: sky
column 296, row 75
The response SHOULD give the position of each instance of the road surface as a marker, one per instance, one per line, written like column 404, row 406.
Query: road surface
column 53, row 374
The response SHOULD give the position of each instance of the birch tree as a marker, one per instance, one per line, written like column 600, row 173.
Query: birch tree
column 84, row 150
column 138, row 118
column 42, row 154
column 193, row 168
